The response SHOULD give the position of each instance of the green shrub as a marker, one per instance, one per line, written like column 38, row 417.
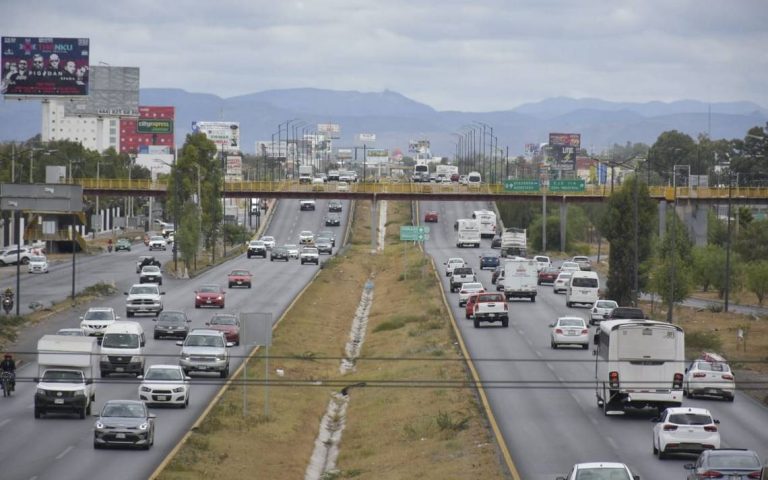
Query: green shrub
column 703, row 341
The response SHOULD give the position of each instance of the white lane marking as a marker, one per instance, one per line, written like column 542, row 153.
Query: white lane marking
column 66, row 451
column 612, row 442
column 4, row 422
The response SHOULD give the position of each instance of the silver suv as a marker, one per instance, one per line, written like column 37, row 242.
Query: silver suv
column 143, row 298
column 205, row 350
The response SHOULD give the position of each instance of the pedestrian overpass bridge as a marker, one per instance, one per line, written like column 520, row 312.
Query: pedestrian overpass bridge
column 419, row 191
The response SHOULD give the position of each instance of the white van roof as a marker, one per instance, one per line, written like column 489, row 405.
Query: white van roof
column 124, row 326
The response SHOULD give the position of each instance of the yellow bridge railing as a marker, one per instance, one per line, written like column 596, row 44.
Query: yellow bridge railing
column 426, row 189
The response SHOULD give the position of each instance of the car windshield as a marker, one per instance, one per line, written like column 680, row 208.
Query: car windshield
column 204, row 341
column 290, row 246
column 62, row 376
column 606, row 304
column 257, row 243
column 223, row 320
column 210, row 289
column 99, row 315
column 127, row 410
column 462, row 271
column 306, row 233
column 602, row 473
column 472, row 286
column 157, row 238
column 120, row 340
column 268, row 239
column 241, row 273
column 713, row 367
column 75, row 332
column 143, row 290
column 571, row 322
column 493, row 297
column 690, row 419
column 541, row 259
column 163, row 374
column 171, row 317
column 37, row 259
column 151, row 269
column 733, row 460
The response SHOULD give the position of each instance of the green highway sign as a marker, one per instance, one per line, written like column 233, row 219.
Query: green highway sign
column 521, row 185
column 571, row 185
column 414, row 234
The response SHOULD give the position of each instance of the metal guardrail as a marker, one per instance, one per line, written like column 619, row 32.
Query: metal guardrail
column 426, row 189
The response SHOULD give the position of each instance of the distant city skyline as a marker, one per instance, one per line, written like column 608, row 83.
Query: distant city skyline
column 480, row 56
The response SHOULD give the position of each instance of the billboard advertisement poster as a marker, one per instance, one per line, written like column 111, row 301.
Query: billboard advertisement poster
column 112, row 92
column 155, row 149
column 564, row 148
column 332, row 130
column 226, row 135
column 367, row 137
column 377, row 152
column 44, row 66
column 344, row 153
column 234, row 166
column 418, row 145
column 154, row 126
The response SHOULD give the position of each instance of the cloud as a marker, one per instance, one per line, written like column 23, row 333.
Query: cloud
column 457, row 55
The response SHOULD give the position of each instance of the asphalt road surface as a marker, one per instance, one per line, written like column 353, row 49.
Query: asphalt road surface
column 61, row 447
column 544, row 399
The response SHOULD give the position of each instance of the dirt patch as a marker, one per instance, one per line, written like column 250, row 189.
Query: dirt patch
column 412, row 406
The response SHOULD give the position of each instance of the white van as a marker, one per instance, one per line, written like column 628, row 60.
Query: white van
column 474, row 179
column 122, row 349
column 582, row 288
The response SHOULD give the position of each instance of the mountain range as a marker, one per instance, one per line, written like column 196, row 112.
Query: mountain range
column 396, row 119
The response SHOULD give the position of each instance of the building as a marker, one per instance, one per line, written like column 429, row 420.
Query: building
column 154, row 127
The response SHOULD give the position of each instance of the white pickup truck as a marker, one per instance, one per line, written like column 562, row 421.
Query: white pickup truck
column 461, row 275
column 66, row 368
column 491, row 307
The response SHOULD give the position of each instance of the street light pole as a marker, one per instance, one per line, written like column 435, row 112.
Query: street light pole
column 728, row 247
column 673, row 248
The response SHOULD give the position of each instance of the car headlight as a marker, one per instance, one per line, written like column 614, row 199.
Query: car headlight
column 99, row 425
column 136, row 359
column 221, row 357
column 219, row 297
column 79, row 393
column 145, row 389
column 40, row 391
column 197, row 297
column 185, row 356
column 105, row 358
column 144, row 426
column 178, row 389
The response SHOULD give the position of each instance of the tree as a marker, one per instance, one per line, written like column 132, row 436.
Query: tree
column 673, row 148
column 663, row 267
column 717, row 230
column 757, row 279
column 618, row 226
column 752, row 242
column 188, row 234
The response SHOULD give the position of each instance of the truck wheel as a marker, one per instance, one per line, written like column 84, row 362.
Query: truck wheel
column 224, row 373
column 38, row 412
column 533, row 298
column 88, row 409
column 477, row 322
column 82, row 413
column 568, row 304
column 505, row 322
column 128, row 314
column 25, row 260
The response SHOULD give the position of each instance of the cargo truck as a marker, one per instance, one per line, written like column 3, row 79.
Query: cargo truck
column 306, row 172
column 513, row 242
column 468, row 233
column 521, row 279
column 66, row 368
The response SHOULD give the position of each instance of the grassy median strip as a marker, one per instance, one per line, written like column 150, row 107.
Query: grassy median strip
column 414, row 418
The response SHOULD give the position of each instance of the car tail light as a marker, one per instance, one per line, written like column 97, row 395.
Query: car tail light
column 710, row 428
column 585, row 332
column 462, row 291
column 727, row 377
column 712, row 474
column 559, row 331
column 699, row 375
column 755, row 475
column 506, row 308
column 613, row 379
column 677, row 381
column 670, row 428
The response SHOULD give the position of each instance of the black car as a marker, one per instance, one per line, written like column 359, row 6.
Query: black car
column 279, row 253
column 124, row 423
column 257, row 248
column 496, row 242
column 623, row 313
column 332, row 220
column 489, row 260
column 729, row 463
column 171, row 323
column 496, row 273
column 145, row 260
column 334, row 206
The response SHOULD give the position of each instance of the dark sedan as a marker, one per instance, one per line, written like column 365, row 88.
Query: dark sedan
column 496, row 242
column 171, row 323
column 209, row 296
column 489, row 260
column 124, row 423
column 334, row 206
column 548, row 275
column 496, row 273
column 279, row 253
column 332, row 220
column 324, row 245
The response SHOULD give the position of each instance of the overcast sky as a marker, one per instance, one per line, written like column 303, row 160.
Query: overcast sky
column 472, row 55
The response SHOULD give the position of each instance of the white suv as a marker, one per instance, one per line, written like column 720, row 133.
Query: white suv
column 11, row 255
column 205, row 350
column 96, row 319
column 143, row 298
column 157, row 242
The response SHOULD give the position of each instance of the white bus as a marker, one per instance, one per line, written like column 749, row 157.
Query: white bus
column 468, row 233
column 638, row 363
column 487, row 220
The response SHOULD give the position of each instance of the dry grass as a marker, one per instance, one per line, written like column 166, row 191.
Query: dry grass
column 427, row 433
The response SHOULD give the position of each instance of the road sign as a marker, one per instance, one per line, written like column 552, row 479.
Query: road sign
column 521, row 185
column 414, row 234
column 571, row 185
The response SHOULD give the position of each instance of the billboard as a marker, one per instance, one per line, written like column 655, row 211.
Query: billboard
column 226, row 135
column 367, row 137
column 418, row 145
column 113, row 92
column 377, row 152
column 234, row 168
column 564, row 147
column 154, row 126
column 331, row 130
column 344, row 153
column 44, row 66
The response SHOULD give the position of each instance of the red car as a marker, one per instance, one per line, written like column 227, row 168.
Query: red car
column 239, row 278
column 455, row 177
column 430, row 216
column 469, row 308
column 227, row 323
column 548, row 275
column 209, row 296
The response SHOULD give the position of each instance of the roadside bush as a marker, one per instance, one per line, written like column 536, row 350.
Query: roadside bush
column 703, row 341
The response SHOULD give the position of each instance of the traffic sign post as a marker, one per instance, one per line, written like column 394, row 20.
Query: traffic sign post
column 413, row 234
column 570, row 185
column 521, row 186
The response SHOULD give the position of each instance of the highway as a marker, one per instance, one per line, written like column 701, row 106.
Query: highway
column 549, row 428
column 61, row 447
